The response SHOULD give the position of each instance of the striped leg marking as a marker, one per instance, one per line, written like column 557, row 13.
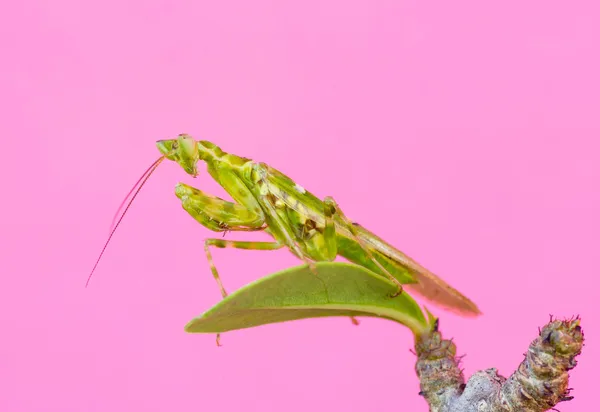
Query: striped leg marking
column 221, row 243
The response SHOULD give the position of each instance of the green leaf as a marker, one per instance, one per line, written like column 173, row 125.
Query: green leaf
column 338, row 289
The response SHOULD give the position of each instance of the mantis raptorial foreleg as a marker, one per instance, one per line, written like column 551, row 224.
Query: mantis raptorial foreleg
column 330, row 203
column 217, row 214
column 218, row 223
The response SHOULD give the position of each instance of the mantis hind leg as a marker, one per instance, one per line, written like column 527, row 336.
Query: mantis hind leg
column 336, row 210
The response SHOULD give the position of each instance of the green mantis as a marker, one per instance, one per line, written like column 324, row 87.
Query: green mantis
column 314, row 230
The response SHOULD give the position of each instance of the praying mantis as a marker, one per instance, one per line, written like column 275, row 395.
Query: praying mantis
column 315, row 230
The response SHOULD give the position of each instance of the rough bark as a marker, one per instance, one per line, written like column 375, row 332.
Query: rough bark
column 539, row 383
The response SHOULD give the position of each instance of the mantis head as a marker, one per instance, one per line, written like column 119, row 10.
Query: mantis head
column 183, row 150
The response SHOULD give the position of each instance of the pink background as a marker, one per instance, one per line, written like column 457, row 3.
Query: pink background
column 465, row 133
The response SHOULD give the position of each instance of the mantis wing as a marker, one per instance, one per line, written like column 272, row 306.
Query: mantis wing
column 428, row 285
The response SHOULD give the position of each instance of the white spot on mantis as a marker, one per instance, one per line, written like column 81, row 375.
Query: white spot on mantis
column 299, row 188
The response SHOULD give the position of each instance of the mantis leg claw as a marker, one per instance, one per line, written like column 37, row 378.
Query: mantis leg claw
column 398, row 292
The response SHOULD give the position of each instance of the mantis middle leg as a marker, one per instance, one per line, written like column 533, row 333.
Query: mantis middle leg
column 222, row 243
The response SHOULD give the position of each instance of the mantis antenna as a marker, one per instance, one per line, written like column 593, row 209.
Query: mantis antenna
column 139, row 184
column 116, row 216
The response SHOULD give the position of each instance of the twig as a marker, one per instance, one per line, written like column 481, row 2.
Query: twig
column 539, row 383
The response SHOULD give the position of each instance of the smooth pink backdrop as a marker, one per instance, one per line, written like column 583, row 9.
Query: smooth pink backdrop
column 465, row 132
